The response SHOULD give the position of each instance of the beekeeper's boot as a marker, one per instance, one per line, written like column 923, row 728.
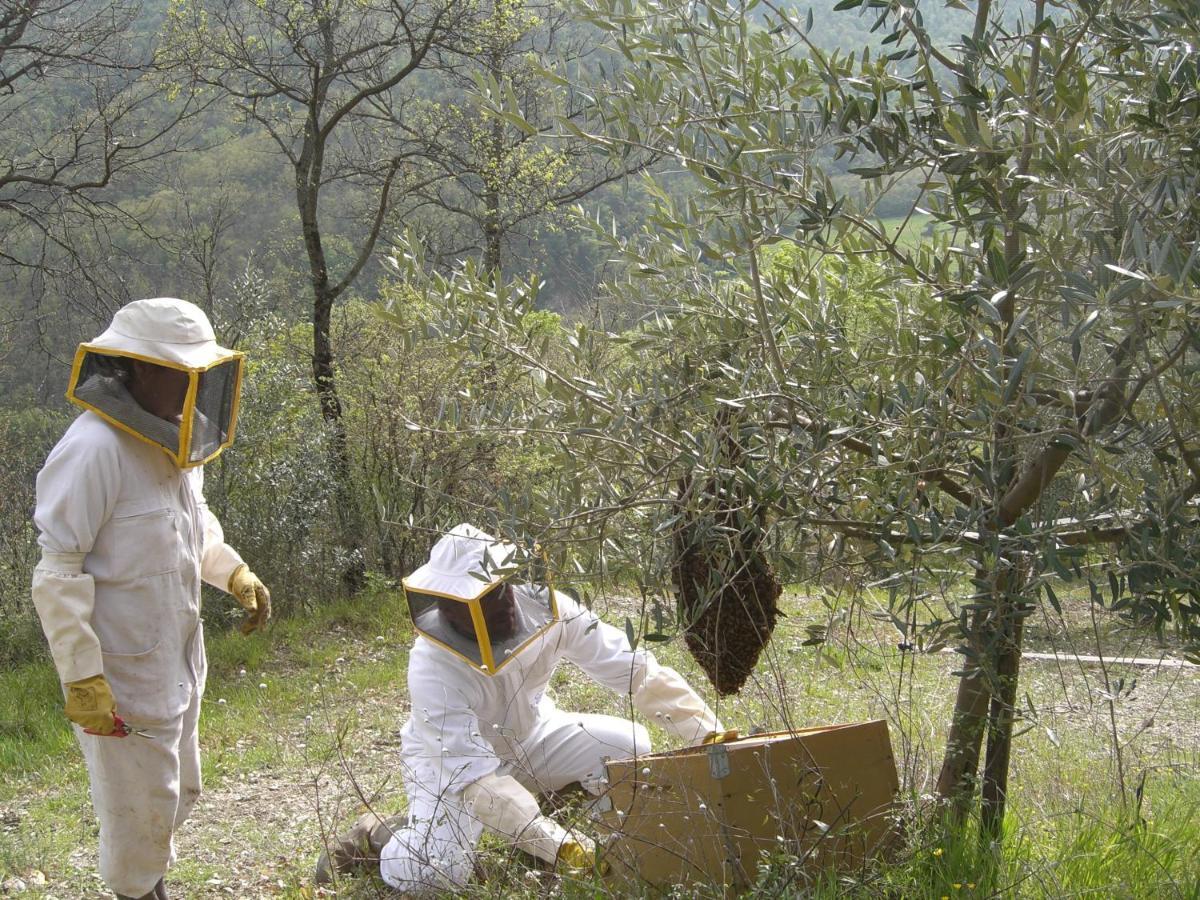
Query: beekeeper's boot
column 159, row 893
column 357, row 848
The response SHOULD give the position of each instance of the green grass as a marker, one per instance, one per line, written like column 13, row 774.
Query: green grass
column 265, row 678
column 32, row 731
column 1094, row 853
column 346, row 647
column 334, row 684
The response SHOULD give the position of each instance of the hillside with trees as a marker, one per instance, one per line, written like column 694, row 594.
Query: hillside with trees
column 889, row 311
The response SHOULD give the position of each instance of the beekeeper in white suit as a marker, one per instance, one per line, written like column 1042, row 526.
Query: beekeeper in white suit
column 484, row 736
column 126, row 539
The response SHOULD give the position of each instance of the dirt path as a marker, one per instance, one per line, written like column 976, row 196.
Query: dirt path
column 258, row 835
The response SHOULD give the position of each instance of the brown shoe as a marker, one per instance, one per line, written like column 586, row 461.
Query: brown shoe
column 357, row 848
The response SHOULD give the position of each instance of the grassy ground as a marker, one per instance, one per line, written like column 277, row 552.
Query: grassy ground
column 912, row 230
column 300, row 730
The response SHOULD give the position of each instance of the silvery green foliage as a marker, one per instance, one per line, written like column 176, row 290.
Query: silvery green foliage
column 1022, row 382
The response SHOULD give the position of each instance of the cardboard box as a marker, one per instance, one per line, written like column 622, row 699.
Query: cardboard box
column 713, row 814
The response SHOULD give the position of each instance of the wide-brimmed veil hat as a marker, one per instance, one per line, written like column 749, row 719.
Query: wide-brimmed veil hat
column 465, row 563
column 163, row 329
column 172, row 334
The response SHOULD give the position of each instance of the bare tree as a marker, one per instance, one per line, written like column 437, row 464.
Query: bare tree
column 329, row 81
column 89, row 62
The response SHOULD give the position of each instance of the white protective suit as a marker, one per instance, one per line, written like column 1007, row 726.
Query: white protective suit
column 126, row 538
column 477, row 744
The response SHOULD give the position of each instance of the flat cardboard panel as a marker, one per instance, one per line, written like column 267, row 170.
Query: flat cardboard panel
column 713, row 814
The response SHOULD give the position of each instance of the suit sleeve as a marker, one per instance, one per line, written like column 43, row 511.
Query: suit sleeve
column 658, row 692
column 76, row 494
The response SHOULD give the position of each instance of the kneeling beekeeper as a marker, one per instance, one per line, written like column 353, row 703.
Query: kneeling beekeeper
column 126, row 538
column 484, row 736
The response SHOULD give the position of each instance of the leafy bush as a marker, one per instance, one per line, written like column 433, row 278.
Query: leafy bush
column 420, row 464
column 272, row 489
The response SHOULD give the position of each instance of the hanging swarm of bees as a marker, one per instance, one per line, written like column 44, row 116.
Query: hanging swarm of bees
column 726, row 588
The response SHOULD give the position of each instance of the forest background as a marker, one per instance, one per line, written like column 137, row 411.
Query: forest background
column 891, row 305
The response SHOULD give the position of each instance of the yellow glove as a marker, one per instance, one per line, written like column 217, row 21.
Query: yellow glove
column 720, row 737
column 90, row 704
column 576, row 859
column 254, row 597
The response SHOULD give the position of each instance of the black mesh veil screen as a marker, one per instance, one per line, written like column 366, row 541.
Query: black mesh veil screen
column 215, row 409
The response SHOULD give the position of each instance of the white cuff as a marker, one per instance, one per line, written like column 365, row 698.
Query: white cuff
column 220, row 562
column 670, row 701
column 505, row 807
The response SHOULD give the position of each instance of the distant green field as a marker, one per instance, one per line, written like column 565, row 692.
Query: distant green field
column 912, row 230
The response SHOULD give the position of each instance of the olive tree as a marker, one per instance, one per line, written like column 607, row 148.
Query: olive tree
column 1022, row 397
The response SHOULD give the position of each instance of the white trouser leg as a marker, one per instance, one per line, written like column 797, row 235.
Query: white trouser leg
column 566, row 747
column 140, row 793
column 435, row 851
column 189, row 765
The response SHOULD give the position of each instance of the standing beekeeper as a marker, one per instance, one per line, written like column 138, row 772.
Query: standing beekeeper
column 484, row 736
column 126, row 538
